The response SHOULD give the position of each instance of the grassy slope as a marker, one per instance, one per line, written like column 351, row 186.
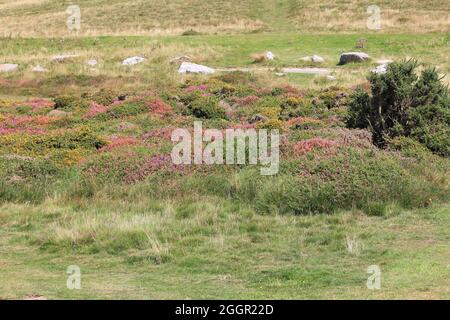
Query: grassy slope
column 238, row 255
column 220, row 51
column 223, row 248
column 47, row 18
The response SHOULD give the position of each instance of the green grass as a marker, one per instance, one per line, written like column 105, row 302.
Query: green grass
column 213, row 50
column 220, row 251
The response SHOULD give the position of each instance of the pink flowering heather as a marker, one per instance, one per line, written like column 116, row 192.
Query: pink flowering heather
column 38, row 104
column 5, row 131
column 244, row 126
column 302, row 120
column 162, row 133
column 19, row 122
column 291, row 91
column 245, row 101
column 305, row 146
column 263, row 91
column 201, row 87
column 159, row 107
column 150, row 166
column 117, row 142
column 95, row 109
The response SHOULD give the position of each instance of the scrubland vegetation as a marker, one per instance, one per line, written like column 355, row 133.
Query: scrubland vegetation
column 86, row 176
column 91, row 174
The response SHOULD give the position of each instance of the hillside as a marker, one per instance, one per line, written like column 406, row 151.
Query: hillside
column 359, row 147
column 47, row 18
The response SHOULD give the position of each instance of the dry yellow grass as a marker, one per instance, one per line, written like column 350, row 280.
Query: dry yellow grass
column 396, row 16
column 47, row 18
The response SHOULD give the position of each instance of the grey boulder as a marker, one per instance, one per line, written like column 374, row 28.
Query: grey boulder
column 188, row 67
column 348, row 57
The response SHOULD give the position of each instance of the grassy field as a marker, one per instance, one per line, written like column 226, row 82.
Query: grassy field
column 215, row 51
column 86, row 177
column 224, row 252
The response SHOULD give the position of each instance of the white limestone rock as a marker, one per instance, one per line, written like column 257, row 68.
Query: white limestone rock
column 381, row 69
column 131, row 61
column 39, row 68
column 314, row 58
column 270, row 55
column 92, row 62
column 8, row 67
column 189, row 67
column 63, row 57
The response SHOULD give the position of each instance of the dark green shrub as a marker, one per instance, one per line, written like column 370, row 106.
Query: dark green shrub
column 403, row 104
column 409, row 147
column 207, row 107
column 354, row 178
column 105, row 97
column 430, row 124
column 70, row 103
column 125, row 110
column 359, row 109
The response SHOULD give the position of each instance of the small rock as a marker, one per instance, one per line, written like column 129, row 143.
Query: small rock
column 353, row 57
column 92, row 63
column 132, row 61
column 58, row 113
column 15, row 178
column 124, row 126
column 314, row 58
column 62, row 57
column 381, row 69
column 188, row 67
column 8, row 67
column 39, row 68
column 331, row 78
column 317, row 59
column 384, row 61
column 180, row 59
column 280, row 74
column 269, row 55
column 257, row 118
column 228, row 109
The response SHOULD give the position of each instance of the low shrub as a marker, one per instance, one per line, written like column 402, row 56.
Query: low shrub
column 104, row 97
column 404, row 104
column 39, row 145
column 207, row 107
column 355, row 178
column 70, row 103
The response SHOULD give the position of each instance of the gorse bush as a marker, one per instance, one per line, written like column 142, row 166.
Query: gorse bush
column 41, row 145
column 404, row 104
column 207, row 107
column 70, row 103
